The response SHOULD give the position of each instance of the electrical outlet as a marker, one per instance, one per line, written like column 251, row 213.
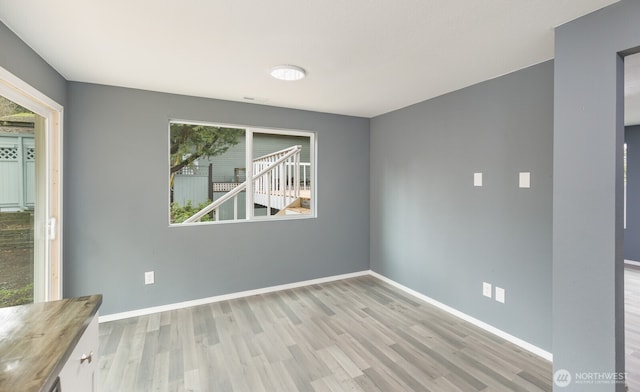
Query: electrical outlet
column 149, row 277
column 486, row 289
column 500, row 294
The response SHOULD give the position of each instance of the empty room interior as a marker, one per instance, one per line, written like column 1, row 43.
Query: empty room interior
column 322, row 196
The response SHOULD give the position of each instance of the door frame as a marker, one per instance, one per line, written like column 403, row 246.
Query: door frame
column 48, row 228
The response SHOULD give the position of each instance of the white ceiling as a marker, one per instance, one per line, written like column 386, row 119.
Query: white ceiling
column 363, row 57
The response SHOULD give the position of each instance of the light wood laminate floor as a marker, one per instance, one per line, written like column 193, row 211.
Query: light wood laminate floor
column 358, row 334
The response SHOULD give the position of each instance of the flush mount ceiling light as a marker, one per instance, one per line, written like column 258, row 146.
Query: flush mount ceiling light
column 288, row 72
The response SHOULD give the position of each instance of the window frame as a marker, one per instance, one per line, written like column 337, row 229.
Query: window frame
column 249, row 136
column 48, row 224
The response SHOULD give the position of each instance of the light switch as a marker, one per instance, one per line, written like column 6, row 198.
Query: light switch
column 525, row 180
column 149, row 277
column 500, row 295
column 486, row 289
column 477, row 179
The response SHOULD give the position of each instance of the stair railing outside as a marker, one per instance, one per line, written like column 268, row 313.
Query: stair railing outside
column 281, row 185
column 304, row 175
column 266, row 164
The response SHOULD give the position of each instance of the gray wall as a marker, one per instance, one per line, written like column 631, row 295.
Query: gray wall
column 434, row 232
column 588, row 296
column 19, row 59
column 632, row 232
column 116, row 224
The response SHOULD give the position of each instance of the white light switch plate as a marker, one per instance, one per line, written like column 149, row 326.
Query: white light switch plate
column 525, row 180
column 477, row 179
column 486, row 289
column 500, row 294
column 149, row 277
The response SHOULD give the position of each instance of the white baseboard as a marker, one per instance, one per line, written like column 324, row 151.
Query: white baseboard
column 632, row 262
column 180, row 305
column 510, row 338
column 225, row 297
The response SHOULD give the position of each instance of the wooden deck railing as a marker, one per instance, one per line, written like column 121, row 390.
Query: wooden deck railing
column 275, row 184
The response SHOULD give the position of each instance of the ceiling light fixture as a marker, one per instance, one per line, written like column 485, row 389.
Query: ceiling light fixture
column 288, row 72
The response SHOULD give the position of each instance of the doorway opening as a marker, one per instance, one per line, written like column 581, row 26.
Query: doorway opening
column 30, row 194
column 631, row 219
column 17, row 202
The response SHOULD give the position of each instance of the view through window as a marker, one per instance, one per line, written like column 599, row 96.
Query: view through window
column 227, row 173
column 17, row 203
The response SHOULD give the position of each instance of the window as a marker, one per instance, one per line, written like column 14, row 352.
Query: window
column 222, row 173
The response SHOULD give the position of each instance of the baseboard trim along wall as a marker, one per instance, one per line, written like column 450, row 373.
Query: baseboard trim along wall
column 632, row 262
column 156, row 309
column 510, row 338
column 226, row 297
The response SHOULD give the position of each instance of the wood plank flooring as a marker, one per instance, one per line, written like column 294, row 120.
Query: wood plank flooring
column 632, row 326
column 357, row 334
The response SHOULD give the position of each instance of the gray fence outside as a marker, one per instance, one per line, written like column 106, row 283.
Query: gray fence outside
column 17, row 172
column 191, row 184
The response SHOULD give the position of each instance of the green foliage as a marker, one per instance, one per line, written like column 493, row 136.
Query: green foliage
column 180, row 214
column 19, row 296
column 189, row 142
column 8, row 107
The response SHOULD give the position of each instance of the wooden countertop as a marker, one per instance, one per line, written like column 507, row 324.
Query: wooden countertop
column 37, row 339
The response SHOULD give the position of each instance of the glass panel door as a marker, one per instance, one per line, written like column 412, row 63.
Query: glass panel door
column 20, row 244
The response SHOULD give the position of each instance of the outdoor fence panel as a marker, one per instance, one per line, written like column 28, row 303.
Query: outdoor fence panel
column 17, row 172
column 191, row 184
